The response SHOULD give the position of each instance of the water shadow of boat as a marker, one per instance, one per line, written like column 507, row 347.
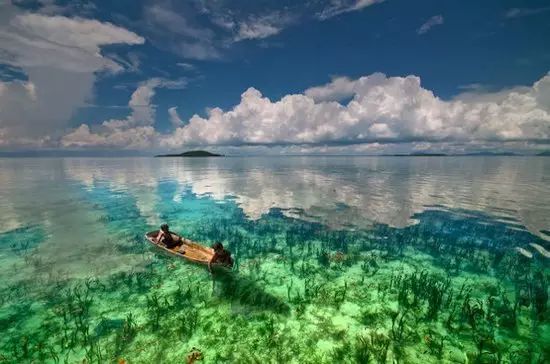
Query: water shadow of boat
column 247, row 292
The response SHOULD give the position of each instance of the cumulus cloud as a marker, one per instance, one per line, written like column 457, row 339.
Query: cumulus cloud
column 382, row 109
column 142, row 111
column 430, row 23
column 338, row 7
column 140, row 137
column 338, row 89
column 59, row 56
column 136, row 131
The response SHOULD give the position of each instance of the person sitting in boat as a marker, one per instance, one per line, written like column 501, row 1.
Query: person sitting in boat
column 165, row 236
column 221, row 256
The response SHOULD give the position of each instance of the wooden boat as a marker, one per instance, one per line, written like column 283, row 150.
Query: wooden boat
column 189, row 250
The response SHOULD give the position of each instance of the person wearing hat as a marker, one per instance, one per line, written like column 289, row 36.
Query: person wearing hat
column 165, row 236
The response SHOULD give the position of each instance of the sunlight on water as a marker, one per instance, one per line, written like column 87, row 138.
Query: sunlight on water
column 338, row 259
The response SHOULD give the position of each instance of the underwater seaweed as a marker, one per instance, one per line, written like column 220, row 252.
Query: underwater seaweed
column 248, row 292
column 362, row 353
column 447, row 289
column 435, row 344
column 400, row 332
column 539, row 296
column 419, row 288
column 472, row 311
column 156, row 308
column 379, row 344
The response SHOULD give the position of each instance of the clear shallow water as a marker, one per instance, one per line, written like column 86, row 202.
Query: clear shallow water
column 338, row 260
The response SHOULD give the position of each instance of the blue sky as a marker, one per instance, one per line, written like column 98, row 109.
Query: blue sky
column 337, row 76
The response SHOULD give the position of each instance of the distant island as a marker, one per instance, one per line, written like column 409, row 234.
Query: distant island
column 473, row 154
column 416, row 154
column 544, row 154
column 192, row 153
column 500, row 154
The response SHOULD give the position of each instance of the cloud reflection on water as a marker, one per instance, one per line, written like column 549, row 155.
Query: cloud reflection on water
column 58, row 194
column 352, row 190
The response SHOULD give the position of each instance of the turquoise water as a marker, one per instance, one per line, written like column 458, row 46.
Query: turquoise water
column 338, row 260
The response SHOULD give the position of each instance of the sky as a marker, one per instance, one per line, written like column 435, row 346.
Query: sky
column 274, row 76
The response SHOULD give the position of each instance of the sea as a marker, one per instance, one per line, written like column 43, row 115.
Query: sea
column 338, row 259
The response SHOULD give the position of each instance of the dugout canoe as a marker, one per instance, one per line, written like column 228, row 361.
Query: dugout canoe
column 189, row 250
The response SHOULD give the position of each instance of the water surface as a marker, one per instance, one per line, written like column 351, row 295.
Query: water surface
column 338, row 259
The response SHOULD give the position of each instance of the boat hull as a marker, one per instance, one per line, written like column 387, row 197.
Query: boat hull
column 188, row 250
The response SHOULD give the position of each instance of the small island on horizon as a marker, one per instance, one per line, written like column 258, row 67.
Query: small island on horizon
column 472, row 154
column 191, row 153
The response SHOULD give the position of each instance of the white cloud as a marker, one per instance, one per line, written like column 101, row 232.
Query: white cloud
column 521, row 12
column 383, row 109
column 174, row 25
column 142, row 111
column 338, row 89
column 185, row 65
column 131, row 62
column 430, row 23
column 136, row 131
column 176, row 30
column 70, row 44
column 25, row 89
column 140, row 137
column 224, row 21
column 174, row 117
column 60, row 57
column 338, row 7
column 262, row 27
column 165, row 16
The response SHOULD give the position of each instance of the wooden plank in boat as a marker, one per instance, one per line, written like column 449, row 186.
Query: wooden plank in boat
column 189, row 250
